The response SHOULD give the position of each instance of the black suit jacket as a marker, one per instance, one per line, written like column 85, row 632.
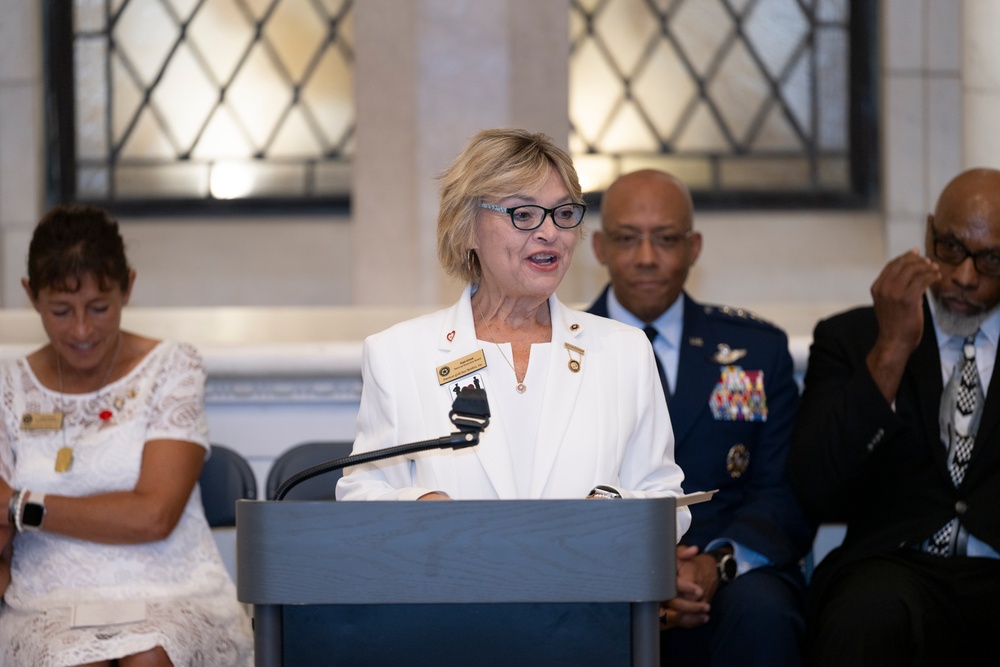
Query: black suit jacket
column 884, row 471
column 756, row 508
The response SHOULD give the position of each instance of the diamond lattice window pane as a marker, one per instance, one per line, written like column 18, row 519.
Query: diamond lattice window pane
column 294, row 34
column 259, row 96
column 296, row 137
column 702, row 29
column 144, row 34
column 628, row 131
column 223, row 137
column 595, row 90
column 776, row 133
column 665, row 86
column 732, row 95
column 627, row 27
column 183, row 8
column 184, row 99
column 327, row 97
column 147, row 140
column 738, row 91
column 200, row 88
column 222, row 33
column 777, row 29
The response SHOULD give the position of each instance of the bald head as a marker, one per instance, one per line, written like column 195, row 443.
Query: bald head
column 973, row 194
column 647, row 188
column 647, row 240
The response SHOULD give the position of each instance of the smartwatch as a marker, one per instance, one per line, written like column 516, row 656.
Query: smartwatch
column 601, row 491
column 726, row 565
column 33, row 512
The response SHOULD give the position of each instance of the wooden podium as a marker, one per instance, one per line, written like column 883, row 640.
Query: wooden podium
column 487, row 565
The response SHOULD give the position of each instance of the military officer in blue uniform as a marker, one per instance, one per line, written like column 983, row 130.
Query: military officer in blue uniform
column 732, row 400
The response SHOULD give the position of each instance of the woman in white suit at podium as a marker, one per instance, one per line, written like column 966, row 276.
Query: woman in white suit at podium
column 577, row 407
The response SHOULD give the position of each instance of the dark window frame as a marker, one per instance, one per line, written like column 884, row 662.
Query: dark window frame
column 60, row 146
column 863, row 138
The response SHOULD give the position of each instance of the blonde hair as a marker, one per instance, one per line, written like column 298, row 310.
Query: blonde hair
column 495, row 164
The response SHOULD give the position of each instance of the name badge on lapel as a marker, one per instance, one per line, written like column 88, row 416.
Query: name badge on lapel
column 42, row 421
column 454, row 370
column 739, row 395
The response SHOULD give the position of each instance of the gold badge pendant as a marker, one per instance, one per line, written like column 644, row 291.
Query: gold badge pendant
column 574, row 364
column 64, row 459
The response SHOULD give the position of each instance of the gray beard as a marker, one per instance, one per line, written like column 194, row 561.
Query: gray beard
column 956, row 324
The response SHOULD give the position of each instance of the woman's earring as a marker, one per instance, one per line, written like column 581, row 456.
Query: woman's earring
column 468, row 261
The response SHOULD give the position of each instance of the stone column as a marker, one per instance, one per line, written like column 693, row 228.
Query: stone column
column 431, row 73
column 981, row 83
column 21, row 148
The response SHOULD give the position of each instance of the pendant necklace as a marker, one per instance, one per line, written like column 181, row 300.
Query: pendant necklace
column 64, row 457
column 521, row 387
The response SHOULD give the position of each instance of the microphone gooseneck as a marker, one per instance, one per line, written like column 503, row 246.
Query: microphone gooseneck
column 470, row 412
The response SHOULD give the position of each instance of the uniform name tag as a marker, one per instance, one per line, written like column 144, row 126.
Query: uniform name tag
column 459, row 368
column 41, row 421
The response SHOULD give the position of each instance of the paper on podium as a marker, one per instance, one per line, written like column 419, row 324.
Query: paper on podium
column 696, row 497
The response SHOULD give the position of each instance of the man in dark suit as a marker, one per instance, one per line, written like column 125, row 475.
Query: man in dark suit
column 899, row 436
column 732, row 400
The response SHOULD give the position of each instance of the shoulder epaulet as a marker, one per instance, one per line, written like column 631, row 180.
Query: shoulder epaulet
column 739, row 314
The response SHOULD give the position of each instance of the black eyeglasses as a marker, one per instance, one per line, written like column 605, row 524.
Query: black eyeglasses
column 528, row 216
column 951, row 251
column 630, row 240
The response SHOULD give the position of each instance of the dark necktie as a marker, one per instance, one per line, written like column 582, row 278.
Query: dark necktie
column 651, row 334
column 962, row 401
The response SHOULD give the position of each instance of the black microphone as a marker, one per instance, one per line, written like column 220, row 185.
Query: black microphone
column 470, row 412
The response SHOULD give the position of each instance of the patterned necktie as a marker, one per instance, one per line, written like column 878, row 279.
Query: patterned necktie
column 961, row 406
column 651, row 334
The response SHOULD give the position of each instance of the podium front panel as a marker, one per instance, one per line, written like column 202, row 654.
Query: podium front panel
column 296, row 552
column 467, row 582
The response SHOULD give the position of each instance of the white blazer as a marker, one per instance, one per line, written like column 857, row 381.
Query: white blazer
column 607, row 424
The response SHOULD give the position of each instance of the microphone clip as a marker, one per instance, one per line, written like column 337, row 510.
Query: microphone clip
column 470, row 411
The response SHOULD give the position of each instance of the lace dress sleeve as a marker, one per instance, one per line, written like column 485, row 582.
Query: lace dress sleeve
column 179, row 401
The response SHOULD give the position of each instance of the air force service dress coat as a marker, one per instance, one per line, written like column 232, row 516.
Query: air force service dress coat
column 733, row 409
column 605, row 424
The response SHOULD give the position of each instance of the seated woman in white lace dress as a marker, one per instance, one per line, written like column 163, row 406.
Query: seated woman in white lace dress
column 102, row 441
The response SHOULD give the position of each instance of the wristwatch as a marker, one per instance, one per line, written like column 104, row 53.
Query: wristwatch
column 33, row 512
column 725, row 564
column 601, row 491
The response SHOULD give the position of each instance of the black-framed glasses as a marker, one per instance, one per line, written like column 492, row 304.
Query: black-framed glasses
column 529, row 216
column 951, row 251
column 630, row 240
